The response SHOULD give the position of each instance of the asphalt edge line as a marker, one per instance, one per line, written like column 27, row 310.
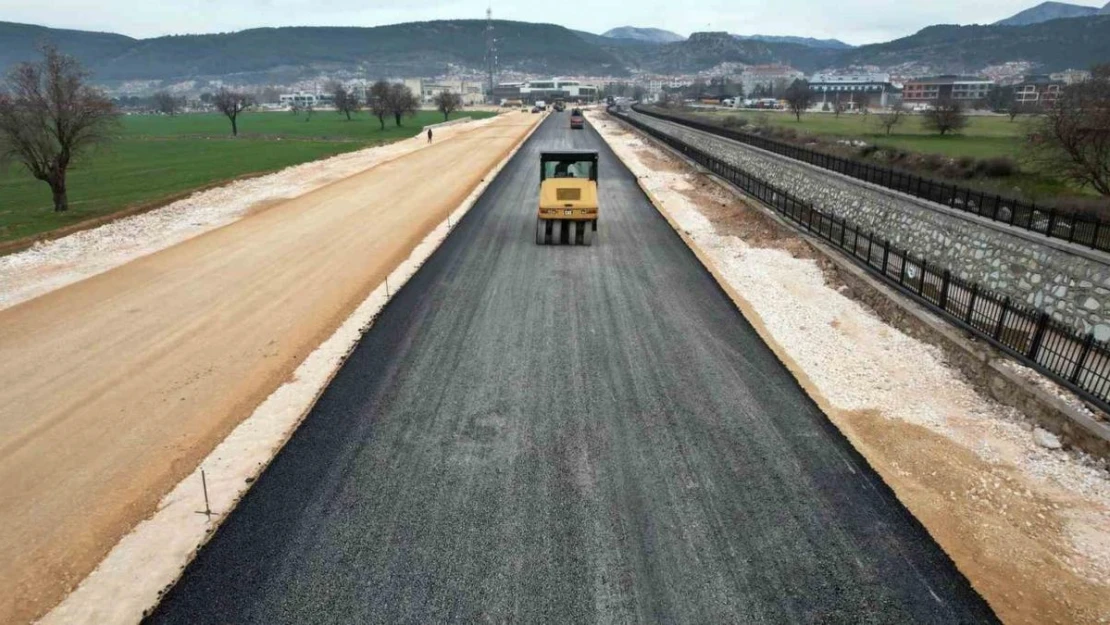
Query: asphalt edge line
column 834, row 416
column 131, row 580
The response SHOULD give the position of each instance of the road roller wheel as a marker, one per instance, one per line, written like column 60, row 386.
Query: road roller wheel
column 556, row 231
column 587, row 233
column 541, row 231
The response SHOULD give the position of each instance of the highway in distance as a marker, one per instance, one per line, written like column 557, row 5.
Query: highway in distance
column 555, row 434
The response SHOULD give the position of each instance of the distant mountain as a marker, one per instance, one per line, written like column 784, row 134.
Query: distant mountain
column 1051, row 46
column 703, row 51
column 265, row 55
column 1046, row 11
column 652, row 35
column 831, row 44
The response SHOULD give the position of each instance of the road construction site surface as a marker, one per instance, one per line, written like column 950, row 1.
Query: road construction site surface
column 567, row 435
column 114, row 388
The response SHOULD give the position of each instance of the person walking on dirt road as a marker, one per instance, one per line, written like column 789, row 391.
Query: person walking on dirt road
column 429, row 135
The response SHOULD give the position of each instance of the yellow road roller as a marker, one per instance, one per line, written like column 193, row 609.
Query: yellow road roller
column 568, row 198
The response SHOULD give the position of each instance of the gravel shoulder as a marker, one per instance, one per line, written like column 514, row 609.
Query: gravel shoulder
column 1029, row 526
column 119, row 384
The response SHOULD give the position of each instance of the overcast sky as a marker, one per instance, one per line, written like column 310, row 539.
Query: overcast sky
column 853, row 21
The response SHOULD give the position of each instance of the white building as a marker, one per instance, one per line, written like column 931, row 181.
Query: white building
column 557, row 88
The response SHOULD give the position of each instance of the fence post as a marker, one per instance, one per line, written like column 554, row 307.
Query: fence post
column 971, row 302
column 997, row 202
column 1098, row 226
column 1038, row 336
column 902, row 269
column 921, row 282
column 1051, row 222
column 1002, row 318
column 1071, row 229
column 870, row 239
column 1087, row 343
column 944, row 278
column 842, row 229
column 886, row 254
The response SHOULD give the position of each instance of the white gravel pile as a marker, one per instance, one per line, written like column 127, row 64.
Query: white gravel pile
column 50, row 265
column 858, row 362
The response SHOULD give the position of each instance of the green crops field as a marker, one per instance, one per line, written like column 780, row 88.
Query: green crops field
column 155, row 158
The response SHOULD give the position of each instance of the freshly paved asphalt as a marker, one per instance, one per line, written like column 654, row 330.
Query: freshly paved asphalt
column 568, row 435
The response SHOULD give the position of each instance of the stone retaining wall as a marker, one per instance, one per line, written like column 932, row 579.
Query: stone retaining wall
column 1069, row 281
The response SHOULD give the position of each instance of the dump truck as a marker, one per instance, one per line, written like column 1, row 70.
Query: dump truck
column 568, row 198
column 576, row 119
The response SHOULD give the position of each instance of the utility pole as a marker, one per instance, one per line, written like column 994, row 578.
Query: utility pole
column 491, row 52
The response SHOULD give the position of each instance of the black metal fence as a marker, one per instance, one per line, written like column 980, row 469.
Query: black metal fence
column 1076, row 361
column 1087, row 231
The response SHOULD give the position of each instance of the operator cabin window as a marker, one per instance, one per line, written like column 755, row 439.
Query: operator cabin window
column 563, row 169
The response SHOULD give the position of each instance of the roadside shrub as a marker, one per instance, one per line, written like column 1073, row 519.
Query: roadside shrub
column 1094, row 208
column 932, row 162
column 788, row 133
column 998, row 167
column 966, row 162
column 734, row 121
column 868, row 150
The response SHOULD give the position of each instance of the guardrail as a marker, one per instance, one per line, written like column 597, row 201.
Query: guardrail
column 1086, row 231
column 1076, row 361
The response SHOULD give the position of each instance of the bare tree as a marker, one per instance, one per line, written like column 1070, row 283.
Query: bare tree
column 798, row 97
column 1073, row 136
column 838, row 107
column 167, row 104
column 1015, row 108
column 377, row 100
column 347, row 101
column 402, row 102
column 50, row 116
column 447, row 102
column 892, row 117
column 231, row 103
column 945, row 116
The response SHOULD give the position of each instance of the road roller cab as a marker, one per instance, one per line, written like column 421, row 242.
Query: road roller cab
column 568, row 198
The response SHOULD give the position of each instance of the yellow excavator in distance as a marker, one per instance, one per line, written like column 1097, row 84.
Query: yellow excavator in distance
column 568, row 198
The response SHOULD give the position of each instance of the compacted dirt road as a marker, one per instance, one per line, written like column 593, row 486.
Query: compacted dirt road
column 114, row 388
column 553, row 434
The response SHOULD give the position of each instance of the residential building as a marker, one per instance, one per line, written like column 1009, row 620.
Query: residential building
column 855, row 91
column 768, row 79
column 1038, row 90
column 1071, row 76
column 963, row 89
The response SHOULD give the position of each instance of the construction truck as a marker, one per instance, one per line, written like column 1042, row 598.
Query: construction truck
column 577, row 121
column 560, row 105
column 568, row 198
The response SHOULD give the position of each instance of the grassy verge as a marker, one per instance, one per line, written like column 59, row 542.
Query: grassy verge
column 985, row 137
column 158, row 157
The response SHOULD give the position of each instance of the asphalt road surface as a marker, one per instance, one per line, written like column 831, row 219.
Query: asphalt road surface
column 568, row 435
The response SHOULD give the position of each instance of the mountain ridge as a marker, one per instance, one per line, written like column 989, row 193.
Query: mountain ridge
column 652, row 35
column 832, row 44
column 1051, row 10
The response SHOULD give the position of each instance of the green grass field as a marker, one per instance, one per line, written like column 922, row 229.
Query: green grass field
column 157, row 157
column 983, row 137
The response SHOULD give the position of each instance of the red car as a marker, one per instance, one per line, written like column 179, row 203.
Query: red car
column 576, row 119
